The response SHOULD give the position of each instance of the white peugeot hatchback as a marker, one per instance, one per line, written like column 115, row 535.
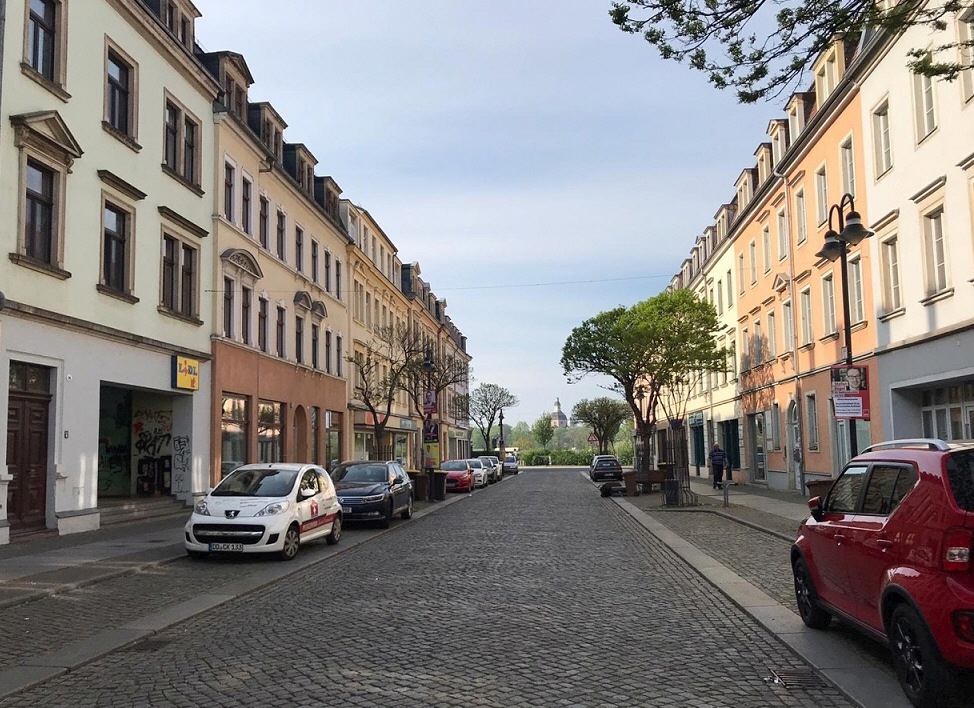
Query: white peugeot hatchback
column 269, row 507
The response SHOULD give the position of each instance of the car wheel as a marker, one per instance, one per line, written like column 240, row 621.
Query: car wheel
column 919, row 668
column 292, row 542
column 811, row 612
column 336, row 531
column 388, row 516
column 407, row 513
column 197, row 555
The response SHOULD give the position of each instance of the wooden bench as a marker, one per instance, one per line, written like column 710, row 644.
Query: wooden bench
column 651, row 478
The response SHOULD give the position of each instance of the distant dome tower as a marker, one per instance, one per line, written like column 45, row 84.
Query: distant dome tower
column 558, row 419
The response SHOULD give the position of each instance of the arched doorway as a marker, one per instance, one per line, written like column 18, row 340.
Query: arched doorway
column 301, row 451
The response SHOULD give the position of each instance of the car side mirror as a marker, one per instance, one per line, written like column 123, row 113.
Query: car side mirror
column 815, row 506
column 305, row 492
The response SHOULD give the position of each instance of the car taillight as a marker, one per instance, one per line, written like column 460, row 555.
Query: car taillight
column 957, row 549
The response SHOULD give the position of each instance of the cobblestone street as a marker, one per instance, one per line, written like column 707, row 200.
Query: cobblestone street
column 534, row 592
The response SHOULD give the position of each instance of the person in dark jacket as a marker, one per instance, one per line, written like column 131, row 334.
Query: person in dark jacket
column 718, row 458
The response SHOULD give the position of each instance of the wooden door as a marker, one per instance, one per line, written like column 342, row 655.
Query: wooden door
column 27, row 431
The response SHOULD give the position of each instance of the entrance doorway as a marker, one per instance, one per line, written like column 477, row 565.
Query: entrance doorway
column 28, row 416
column 793, row 452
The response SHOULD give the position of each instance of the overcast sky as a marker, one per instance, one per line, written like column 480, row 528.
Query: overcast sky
column 538, row 163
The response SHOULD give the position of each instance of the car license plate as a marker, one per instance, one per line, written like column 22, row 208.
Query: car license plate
column 346, row 510
column 233, row 547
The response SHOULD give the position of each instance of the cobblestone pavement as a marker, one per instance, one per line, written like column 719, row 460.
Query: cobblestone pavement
column 536, row 593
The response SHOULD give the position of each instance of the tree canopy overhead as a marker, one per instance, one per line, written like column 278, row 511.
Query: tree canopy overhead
column 761, row 50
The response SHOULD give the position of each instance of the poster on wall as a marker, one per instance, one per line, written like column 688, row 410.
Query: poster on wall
column 850, row 391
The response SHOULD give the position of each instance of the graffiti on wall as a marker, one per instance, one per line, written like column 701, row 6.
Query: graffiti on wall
column 152, row 448
column 181, row 459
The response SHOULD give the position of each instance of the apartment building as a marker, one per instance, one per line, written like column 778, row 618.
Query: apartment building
column 102, row 336
column 278, row 320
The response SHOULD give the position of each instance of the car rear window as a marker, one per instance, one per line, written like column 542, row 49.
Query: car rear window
column 453, row 466
column 960, row 472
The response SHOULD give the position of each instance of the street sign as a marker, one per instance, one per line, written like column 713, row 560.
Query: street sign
column 592, row 438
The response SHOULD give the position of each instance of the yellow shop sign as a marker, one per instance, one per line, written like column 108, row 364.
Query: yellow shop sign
column 185, row 373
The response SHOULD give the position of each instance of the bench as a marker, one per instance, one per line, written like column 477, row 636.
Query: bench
column 648, row 479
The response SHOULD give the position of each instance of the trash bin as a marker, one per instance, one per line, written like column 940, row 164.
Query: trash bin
column 439, row 485
column 421, row 485
column 629, row 478
column 671, row 492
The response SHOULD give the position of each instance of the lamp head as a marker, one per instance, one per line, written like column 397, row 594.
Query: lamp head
column 832, row 248
column 854, row 232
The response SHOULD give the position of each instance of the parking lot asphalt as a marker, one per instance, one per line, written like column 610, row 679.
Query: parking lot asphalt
column 703, row 537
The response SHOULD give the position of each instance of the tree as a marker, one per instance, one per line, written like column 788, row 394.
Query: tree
column 604, row 415
column 720, row 37
column 645, row 348
column 542, row 431
column 486, row 402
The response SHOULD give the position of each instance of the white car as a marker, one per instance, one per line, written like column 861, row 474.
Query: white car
column 266, row 507
column 480, row 478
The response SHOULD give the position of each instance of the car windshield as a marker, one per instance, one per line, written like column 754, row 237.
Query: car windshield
column 960, row 472
column 256, row 483
column 453, row 466
column 360, row 473
column 476, row 464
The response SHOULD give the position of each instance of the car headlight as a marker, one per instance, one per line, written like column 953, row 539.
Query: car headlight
column 275, row 508
column 373, row 498
column 201, row 508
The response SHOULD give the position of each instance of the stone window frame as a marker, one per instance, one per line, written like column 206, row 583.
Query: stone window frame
column 130, row 136
column 58, row 81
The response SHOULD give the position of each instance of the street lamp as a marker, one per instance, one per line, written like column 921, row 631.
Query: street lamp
column 500, row 440
column 431, row 428
column 836, row 247
column 640, row 396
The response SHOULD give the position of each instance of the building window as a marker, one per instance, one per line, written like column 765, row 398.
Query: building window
column 327, row 282
column 720, row 298
column 924, row 106
column 228, row 307
column 772, row 337
column 299, row 248
column 281, row 230
column 782, row 235
column 263, row 225
column 44, row 51
column 740, row 270
column 882, row 146
column 828, row 303
column 116, row 248
column 891, row 275
column 822, row 195
column 788, row 325
column 246, row 300
column 233, row 437
column 246, row 189
column 934, row 252
column 775, row 426
column 966, row 30
column 40, row 211
column 315, row 336
column 758, row 343
column 299, row 339
column 229, row 177
column 857, row 310
column 806, row 317
column 800, row 216
column 120, row 93
column 847, row 158
column 180, row 273
column 269, row 432
column 338, row 282
column 279, row 330
column 314, row 261
column 181, row 143
column 328, row 358
column 262, row 324
column 811, row 420
column 730, row 290
column 766, row 246
column 339, row 354
column 172, row 135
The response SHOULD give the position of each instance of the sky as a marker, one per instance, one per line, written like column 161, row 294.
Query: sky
column 538, row 163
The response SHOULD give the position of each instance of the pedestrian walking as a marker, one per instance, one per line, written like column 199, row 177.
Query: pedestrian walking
column 717, row 460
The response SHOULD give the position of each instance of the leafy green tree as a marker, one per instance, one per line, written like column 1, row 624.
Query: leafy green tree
column 645, row 348
column 604, row 415
column 763, row 50
column 486, row 402
column 542, row 430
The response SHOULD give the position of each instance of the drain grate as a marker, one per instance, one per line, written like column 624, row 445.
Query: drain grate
column 795, row 678
column 149, row 645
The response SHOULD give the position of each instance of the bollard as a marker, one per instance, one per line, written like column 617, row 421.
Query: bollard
column 726, row 488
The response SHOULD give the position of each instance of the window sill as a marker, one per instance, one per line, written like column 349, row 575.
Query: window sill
column 191, row 186
column 40, row 266
column 807, row 347
column 117, row 294
column 52, row 86
column 123, row 138
column 163, row 310
column 784, row 356
column 831, row 337
column 892, row 314
column 937, row 297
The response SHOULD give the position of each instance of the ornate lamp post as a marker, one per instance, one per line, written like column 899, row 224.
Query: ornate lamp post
column 431, row 426
column 640, row 443
column 500, row 440
column 836, row 247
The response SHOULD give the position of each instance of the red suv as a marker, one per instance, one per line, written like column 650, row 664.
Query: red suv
column 889, row 548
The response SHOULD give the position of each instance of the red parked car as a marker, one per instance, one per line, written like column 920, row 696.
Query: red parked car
column 459, row 475
column 889, row 549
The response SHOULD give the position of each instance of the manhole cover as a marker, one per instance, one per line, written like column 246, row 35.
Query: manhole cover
column 795, row 678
